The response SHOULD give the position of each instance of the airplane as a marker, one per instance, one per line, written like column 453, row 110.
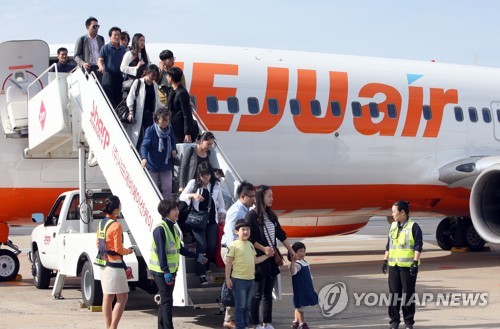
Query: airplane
column 339, row 138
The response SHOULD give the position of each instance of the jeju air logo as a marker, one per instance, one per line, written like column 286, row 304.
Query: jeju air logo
column 42, row 115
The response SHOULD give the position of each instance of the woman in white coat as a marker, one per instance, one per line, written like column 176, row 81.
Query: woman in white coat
column 146, row 103
column 204, row 193
column 136, row 59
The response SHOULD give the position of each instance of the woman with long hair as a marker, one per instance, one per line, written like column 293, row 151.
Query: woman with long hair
column 194, row 156
column 265, row 230
column 205, row 194
column 136, row 59
column 146, row 103
column 110, row 258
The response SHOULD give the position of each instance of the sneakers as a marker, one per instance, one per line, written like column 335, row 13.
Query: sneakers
column 229, row 324
column 203, row 280
column 408, row 326
column 268, row 326
column 394, row 325
column 259, row 327
column 295, row 324
column 304, row 326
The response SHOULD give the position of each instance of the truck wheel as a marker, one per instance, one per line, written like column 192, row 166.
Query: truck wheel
column 9, row 265
column 91, row 288
column 41, row 275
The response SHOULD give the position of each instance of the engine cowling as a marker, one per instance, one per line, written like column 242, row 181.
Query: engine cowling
column 485, row 204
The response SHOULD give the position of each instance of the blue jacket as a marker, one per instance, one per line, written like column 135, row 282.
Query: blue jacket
column 149, row 150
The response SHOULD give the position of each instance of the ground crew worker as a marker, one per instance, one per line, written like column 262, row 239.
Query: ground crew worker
column 114, row 273
column 402, row 254
column 164, row 260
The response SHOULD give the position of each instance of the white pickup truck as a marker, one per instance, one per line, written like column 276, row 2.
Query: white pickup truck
column 59, row 247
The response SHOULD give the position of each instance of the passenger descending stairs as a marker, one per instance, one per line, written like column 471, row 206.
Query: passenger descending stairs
column 94, row 125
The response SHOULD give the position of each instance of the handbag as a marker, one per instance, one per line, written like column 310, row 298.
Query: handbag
column 122, row 108
column 278, row 257
column 198, row 220
column 226, row 296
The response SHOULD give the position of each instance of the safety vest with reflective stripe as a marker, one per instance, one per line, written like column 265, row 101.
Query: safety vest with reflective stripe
column 402, row 245
column 100, row 259
column 172, row 247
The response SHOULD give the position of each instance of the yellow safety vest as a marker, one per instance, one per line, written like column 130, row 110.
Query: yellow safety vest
column 100, row 259
column 172, row 247
column 402, row 245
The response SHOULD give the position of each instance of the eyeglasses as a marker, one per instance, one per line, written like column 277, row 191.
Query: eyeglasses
column 96, row 26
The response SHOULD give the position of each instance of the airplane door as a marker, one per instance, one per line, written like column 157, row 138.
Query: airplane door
column 495, row 109
column 21, row 62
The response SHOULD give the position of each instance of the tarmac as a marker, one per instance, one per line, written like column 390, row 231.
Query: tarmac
column 347, row 275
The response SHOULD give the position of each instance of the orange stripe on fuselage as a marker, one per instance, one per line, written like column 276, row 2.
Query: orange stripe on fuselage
column 309, row 231
column 18, row 204
column 345, row 198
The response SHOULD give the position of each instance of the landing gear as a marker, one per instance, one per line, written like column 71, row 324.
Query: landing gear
column 458, row 233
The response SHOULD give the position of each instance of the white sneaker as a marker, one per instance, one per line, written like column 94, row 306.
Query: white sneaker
column 259, row 327
column 268, row 326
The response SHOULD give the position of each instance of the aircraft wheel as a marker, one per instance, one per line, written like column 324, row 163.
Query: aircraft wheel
column 91, row 288
column 443, row 234
column 41, row 275
column 472, row 239
column 9, row 265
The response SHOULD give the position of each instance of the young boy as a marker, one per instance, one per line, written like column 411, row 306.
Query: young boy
column 241, row 258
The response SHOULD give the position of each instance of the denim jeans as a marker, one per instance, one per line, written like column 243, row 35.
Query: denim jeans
column 243, row 293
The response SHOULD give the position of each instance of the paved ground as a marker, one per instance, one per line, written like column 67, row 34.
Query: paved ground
column 352, row 260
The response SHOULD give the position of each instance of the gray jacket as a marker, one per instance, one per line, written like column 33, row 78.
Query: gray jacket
column 82, row 49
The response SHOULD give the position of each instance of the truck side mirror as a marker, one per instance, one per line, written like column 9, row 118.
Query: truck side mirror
column 37, row 218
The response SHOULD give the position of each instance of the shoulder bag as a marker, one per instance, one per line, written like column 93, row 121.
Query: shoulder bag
column 278, row 258
column 122, row 108
column 198, row 220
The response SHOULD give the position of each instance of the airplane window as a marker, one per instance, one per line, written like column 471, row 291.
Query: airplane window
column 273, row 106
column 356, row 109
column 392, row 111
column 486, row 115
column 193, row 100
column 459, row 114
column 232, row 104
column 427, row 112
column 295, row 107
column 374, row 112
column 498, row 115
column 336, row 111
column 473, row 114
column 212, row 104
column 253, row 105
column 315, row 108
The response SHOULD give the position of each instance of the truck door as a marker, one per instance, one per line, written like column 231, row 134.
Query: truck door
column 51, row 228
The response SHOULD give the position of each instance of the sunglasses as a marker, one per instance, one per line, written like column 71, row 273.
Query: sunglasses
column 96, row 26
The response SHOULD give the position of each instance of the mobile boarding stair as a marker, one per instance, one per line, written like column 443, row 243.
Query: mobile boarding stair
column 79, row 113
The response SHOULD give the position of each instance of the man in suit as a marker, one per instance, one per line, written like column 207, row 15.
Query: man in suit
column 88, row 46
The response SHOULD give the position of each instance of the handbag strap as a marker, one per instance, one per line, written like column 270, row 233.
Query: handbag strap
column 269, row 235
column 209, row 197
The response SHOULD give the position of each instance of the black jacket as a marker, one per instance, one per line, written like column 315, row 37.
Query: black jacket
column 182, row 118
column 267, row 267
